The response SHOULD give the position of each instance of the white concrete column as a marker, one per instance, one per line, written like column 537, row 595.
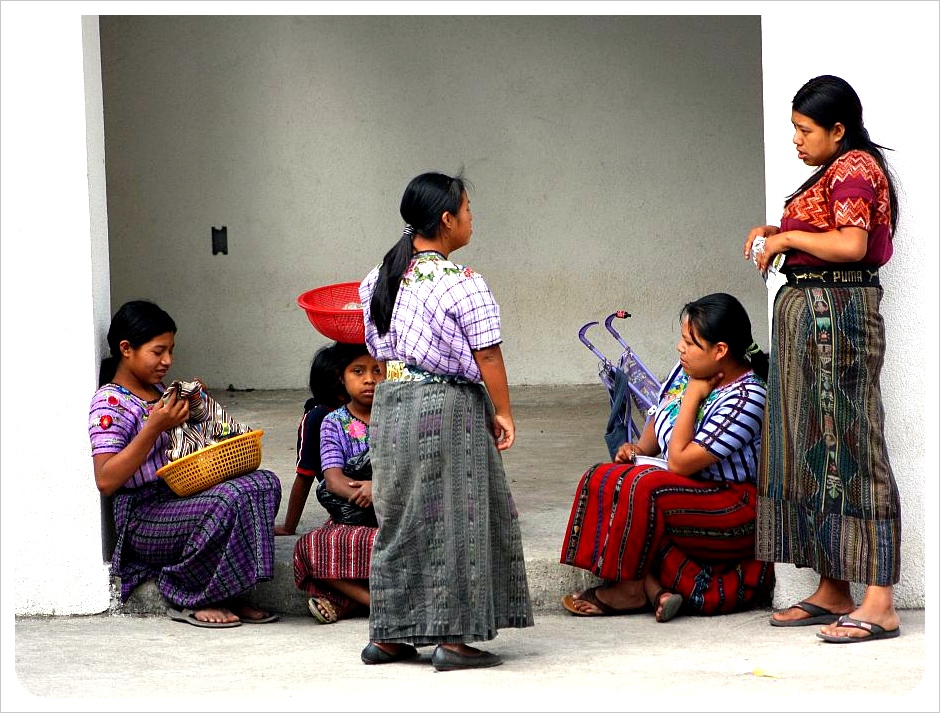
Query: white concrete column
column 889, row 53
column 54, row 283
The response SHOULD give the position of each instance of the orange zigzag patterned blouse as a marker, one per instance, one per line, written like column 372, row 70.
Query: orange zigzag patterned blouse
column 852, row 192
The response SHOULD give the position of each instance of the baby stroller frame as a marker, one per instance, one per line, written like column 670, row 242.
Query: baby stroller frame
column 632, row 387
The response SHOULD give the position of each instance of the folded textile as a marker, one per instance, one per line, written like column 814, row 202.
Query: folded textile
column 208, row 421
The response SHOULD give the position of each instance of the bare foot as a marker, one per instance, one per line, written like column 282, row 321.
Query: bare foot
column 594, row 601
column 794, row 613
column 833, row 595
column 624, row 595
column 665, row 602
column 243, row 610
column 584, row 605
column 215, row 615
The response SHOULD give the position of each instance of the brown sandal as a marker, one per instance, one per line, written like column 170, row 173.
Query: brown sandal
column 590, row 596
column 666, row 611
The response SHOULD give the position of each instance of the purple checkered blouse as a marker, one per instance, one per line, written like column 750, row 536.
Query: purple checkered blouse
column 442, row 314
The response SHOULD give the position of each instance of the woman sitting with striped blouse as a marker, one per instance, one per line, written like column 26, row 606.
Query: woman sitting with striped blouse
column 664, row 540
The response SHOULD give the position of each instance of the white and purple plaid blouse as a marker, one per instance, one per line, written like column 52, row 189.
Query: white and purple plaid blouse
column 443, row 313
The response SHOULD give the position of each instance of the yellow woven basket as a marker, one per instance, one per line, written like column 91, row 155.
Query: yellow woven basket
column 214, row 464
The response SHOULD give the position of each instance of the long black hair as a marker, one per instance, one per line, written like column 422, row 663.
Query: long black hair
column 137, row 321
column 427, row 197
column 326, row 374
column 830, row 100
column 720, row 317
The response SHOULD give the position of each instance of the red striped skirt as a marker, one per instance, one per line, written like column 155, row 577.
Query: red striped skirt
column 695, row 536
column 332, row 551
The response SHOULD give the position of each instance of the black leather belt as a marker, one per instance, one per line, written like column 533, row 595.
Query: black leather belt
column 861, row 276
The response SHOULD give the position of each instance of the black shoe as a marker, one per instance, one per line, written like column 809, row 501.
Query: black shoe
column 372, row 654
column 447, row 660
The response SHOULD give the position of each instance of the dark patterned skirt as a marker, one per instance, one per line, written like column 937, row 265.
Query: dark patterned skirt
column 827, row 495
column 332, row 551
column 447, row 562
column 202, row 549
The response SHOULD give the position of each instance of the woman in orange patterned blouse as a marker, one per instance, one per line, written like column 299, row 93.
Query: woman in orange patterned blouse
column 827, row 498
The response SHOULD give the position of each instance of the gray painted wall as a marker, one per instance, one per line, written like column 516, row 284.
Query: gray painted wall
column 617, row 163
column 53, row 145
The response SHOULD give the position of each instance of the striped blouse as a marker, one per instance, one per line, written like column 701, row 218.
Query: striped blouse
column 728, row 424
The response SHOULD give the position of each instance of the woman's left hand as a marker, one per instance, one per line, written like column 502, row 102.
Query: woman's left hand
column 698, row 389
column 362, row 493
column 504, row 430
column 773, row 246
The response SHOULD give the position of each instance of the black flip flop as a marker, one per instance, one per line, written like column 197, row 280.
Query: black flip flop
column 875, row 631
column 817, row 615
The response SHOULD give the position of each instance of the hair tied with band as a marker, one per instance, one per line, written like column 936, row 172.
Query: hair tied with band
column 408, row 231
column 752, row 350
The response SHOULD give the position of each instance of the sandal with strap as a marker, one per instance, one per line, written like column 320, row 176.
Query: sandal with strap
column 817, row 615
column 874, row 632
column 666, row 610
column 590, row 596
column 323, row 610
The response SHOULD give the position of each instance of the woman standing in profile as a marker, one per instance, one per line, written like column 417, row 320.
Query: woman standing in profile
column 447, row 563
column 827, row 496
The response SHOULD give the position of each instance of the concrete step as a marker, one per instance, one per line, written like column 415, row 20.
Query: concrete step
column 548, row 582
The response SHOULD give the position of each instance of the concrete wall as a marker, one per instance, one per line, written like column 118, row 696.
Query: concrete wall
column 617, row 163
column 55, row 298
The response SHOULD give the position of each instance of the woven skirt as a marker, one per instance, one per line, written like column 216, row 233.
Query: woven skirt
column 332, row 551
column 827, row 495
column 696, row 537
column 202, row 549
column 447, row 562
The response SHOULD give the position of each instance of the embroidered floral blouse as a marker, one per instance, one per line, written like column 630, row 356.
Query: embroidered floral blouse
column 342, row 436
column 115, row 417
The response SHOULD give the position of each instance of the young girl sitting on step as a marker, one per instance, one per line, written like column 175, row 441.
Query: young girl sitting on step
column 205, row 550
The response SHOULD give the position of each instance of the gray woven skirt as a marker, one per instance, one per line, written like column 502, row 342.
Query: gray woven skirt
column 447, row 563
column 827, row 498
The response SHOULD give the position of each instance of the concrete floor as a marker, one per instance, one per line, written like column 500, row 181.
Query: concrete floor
column 123, row 661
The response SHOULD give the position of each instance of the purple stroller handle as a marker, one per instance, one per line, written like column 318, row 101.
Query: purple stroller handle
column 619, row 314
column 582, row 335
column 630, row 384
